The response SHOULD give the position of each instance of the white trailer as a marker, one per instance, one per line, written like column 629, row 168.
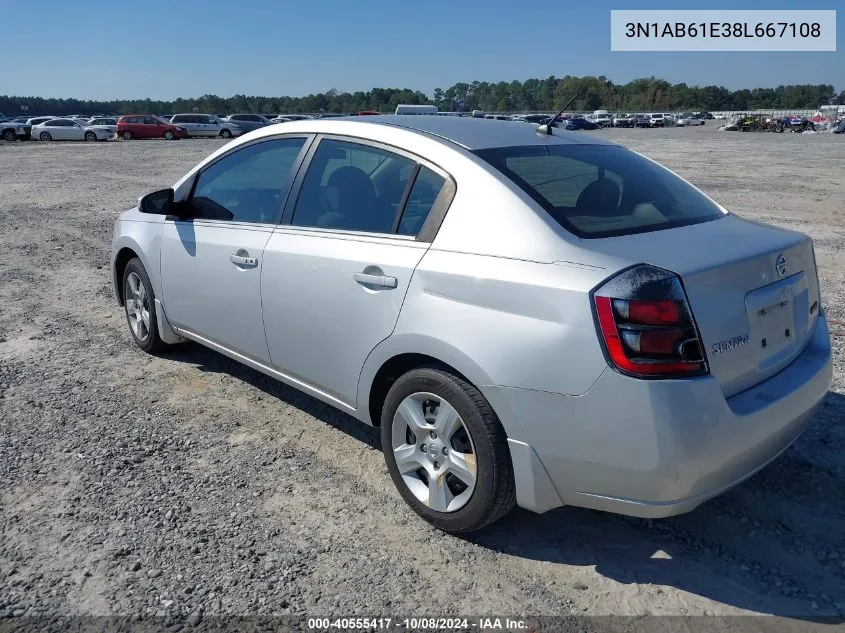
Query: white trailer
column 416, row 109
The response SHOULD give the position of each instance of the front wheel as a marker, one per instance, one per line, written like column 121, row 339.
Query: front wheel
column 168, row 135
column 90, row 136
column 139, row 305
column 446, row 451
column 10, row 135
column 225, row 133
column 45, row 136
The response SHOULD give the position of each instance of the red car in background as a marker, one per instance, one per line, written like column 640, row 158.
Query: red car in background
column 146, row 126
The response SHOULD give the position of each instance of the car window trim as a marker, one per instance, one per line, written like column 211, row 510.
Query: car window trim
column 435, row 216
column 303, row 151
column 400, row 211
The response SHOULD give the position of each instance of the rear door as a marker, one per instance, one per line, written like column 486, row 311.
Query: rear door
column 152, row 127
column 337, row 270
column 208, row 125
column 211, row 265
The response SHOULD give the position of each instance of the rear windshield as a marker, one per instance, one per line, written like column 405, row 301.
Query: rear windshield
column 602, row 190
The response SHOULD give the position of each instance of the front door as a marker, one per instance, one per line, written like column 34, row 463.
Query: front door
column 335, row 278
column 211, row 264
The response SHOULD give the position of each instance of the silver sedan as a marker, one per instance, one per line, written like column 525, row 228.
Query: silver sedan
column 70, row 130
column 531, row 316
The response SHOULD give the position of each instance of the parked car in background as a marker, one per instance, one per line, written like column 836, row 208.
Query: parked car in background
column 539, row 119
column 558, row 369
column 688, row 120
column 205, row 125
column 32, row 122
column 601, row 118
column 657, row 119
column 104, row 122
column 642, row 120
column 69, row 130
column 11, row 130
column 576, row 123
column 247, row 122
column 623, row 120
column 704, row 116
column 144, row 126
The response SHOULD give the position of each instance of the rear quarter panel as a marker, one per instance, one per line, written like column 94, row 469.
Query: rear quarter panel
column 500, row 322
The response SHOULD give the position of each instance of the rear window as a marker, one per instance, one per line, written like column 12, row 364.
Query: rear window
column 602, row 190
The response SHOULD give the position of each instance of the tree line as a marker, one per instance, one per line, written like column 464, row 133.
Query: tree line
column 647, row 94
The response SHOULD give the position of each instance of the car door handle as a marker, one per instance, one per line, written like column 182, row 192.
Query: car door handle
column 380, row 281
column 243, row 260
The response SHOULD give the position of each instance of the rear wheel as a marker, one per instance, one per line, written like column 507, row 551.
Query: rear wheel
column 90, row 136
column 139, row 305
column 9, row 135
column 168, row 135
column 127, row 135
column 446, row 451
column 45, row 136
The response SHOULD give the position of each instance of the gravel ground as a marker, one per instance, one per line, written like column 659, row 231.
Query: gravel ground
column 189, row 486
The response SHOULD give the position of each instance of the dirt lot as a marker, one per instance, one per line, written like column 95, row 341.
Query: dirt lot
column 192, row 486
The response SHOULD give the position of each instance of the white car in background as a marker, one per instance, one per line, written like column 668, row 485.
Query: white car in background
column 687, row 120
column 282, row 118
column 109, row 123
column 206, row 125
column 70, row 130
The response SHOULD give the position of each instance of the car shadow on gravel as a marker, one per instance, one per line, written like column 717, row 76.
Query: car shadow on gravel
column 706, row 552
column 210, row 361
column 770, row 545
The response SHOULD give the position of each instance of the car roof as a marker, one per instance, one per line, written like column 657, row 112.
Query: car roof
column 474, row 134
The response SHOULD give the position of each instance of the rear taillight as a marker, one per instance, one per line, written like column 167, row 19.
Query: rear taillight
column 646, row 326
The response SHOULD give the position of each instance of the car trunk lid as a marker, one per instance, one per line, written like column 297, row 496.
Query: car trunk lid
column 752, row 288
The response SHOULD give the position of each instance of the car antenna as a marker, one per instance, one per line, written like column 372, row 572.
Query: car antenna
column 546, row 128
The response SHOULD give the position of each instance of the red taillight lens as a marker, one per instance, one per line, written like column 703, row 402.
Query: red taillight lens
column 648, row 337
column 650, row 312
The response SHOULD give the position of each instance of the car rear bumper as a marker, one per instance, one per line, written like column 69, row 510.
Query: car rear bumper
column 660, row 447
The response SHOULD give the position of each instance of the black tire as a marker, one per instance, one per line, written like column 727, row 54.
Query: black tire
column 9, row 135
column 168, row 135
column 127, row 135
column 90, row 136
column 45, row 136
column 495, row 492
column 224, row 133
column 152, row 343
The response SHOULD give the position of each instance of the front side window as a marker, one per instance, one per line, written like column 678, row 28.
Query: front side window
column 248, row 185
column 602, row 190
column 352, row 187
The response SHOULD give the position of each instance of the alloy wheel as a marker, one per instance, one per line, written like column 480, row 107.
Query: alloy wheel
column 137, row 306
column 434, row 452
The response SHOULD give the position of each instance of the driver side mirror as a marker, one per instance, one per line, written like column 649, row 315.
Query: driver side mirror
column 157, row 202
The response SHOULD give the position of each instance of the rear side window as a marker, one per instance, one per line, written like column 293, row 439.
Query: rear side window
column 426, row 188
column 353, row 187
column 602, row 190
column 248, row 185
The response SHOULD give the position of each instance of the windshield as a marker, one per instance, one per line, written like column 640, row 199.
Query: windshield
column 602, row 190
